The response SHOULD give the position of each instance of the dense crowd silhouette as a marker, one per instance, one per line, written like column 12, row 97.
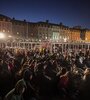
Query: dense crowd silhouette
column 41, row 75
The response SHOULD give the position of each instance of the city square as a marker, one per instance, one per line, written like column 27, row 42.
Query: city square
column 44, row 50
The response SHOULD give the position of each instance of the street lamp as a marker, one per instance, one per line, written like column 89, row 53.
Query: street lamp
column 65, row 39
column 46, row 37
column 39, row 40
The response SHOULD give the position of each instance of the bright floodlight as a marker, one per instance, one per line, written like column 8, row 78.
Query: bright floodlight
column 2, row 36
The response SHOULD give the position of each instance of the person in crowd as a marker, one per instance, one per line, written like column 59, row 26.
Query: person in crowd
column 17, row 92
column 85, row 86
column 30, row 92
column 42, row 71
column 63, row 84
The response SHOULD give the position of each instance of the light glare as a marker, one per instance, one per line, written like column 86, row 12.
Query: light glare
column 2, row 36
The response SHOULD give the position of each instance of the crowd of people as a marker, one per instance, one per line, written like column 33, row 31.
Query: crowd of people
column 41, row 75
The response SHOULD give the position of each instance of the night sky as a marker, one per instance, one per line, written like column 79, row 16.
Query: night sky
column 69, row 12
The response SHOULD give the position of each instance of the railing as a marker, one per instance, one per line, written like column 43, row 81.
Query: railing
column 52, row 46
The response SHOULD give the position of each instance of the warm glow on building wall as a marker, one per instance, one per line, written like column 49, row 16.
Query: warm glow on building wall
column 43, row 31
column 87, row 36
column 75, row 35
column 5, row 24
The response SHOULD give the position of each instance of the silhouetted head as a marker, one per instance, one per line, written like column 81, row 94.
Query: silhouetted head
column 20, row 87
column 27, row 75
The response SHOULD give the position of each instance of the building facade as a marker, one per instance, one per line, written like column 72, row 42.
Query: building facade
column 5, row 25
column 42, row 31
